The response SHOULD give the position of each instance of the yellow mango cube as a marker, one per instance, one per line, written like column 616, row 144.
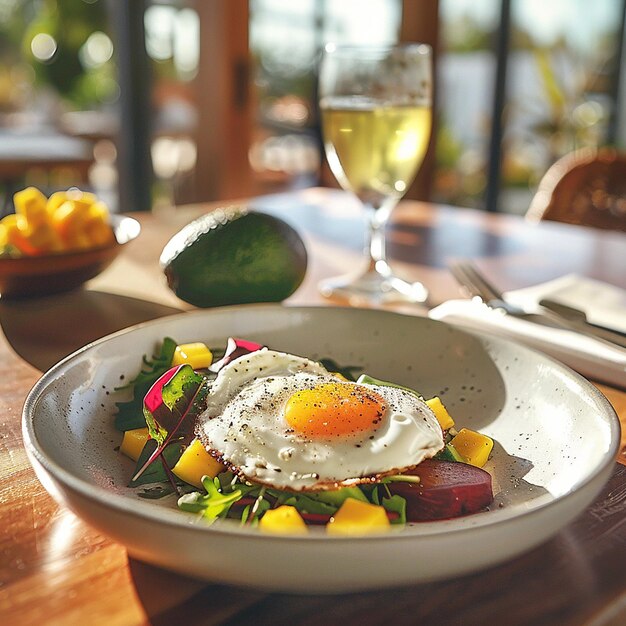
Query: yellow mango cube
column 195, row 354
column 69, row 219
column 355, row 517
column 16, row 233
column 31, row 203
column 441, row 413
column 43, row 237
column 99, row 232
column 283, row 520
column 82, row 199
column 76, row 241
column 55, row 201
column 4, row 236
column 473, row 447
column 133, row 442
column 194, row 463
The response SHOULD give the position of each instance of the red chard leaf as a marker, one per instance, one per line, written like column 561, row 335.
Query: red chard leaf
column 183, row 396
column 168, row 398
column 156, row 472
column 234, row 349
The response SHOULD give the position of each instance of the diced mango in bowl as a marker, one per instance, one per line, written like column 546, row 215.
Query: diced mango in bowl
column 66, row 221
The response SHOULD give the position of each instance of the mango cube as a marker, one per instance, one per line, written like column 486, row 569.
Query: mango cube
column 441, row 413
column 195, row 354
column 81, row 199
column 69, row 219
column 133, row 442
column 474, row 447
column 30, row 203
column 55, row 201
column 194, row 463
column 99, row 232
column 358, row 518
column 16, row 233
column 283, row 520
column 43, row 237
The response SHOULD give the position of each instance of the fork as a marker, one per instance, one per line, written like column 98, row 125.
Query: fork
column 477, row 286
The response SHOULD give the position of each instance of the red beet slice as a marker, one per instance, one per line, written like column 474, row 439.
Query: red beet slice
column 446, row 490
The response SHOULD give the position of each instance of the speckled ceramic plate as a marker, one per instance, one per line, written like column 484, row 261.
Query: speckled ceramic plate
column 556, row 439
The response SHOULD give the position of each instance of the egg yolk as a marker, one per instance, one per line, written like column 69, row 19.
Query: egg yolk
column 334, row 409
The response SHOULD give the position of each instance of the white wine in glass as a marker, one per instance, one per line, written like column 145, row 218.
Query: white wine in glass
column 376, row 107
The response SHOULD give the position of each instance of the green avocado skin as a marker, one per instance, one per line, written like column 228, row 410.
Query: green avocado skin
column 236, row 257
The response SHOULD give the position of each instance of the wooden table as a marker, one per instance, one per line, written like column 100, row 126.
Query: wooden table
column 55, row 569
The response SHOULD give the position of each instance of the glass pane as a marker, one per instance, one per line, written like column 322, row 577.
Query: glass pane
column 560, row 87
column 285, row 40
column 464, row 86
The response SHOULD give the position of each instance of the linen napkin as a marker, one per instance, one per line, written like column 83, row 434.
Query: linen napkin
column 604, row 304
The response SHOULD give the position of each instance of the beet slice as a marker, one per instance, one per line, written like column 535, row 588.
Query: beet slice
column 446, row 490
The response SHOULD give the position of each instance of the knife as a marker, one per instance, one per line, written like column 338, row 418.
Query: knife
column 478, row 286
column 578, row 319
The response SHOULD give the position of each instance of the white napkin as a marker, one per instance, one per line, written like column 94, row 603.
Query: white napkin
column 603, row 303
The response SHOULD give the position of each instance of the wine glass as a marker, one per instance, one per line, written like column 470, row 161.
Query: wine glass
column 375, row 104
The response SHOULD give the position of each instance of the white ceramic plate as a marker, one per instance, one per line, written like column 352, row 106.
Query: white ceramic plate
column 556, row 440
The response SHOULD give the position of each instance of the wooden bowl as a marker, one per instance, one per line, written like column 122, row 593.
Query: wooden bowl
column 53, row 273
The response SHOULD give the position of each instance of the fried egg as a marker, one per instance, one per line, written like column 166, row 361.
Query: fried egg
column 285, row 421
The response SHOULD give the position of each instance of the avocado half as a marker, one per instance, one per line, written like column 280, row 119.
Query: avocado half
column 234, row 256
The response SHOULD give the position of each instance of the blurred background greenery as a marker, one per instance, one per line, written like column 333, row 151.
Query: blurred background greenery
column 60, row 68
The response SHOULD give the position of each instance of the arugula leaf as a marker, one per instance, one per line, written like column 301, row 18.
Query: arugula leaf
column 214, row 503
column 347, row 371
column 396, row 504
column 155, row 473
column 252, row 513
column 130, row 412
column 306, row 504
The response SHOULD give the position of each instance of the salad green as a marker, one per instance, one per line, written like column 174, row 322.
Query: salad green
column 161, row 416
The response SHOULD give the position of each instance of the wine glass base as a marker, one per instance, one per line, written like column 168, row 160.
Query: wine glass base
column 373, row 288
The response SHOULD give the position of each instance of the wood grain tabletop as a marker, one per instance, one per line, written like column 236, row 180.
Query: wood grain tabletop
column 55, row 569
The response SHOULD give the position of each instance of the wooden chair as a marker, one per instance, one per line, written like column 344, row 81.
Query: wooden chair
column 586, row 187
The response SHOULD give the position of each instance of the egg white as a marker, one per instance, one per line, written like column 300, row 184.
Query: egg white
column 243, row 426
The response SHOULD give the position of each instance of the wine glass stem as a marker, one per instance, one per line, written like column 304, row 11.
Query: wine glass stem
column 375, row 247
